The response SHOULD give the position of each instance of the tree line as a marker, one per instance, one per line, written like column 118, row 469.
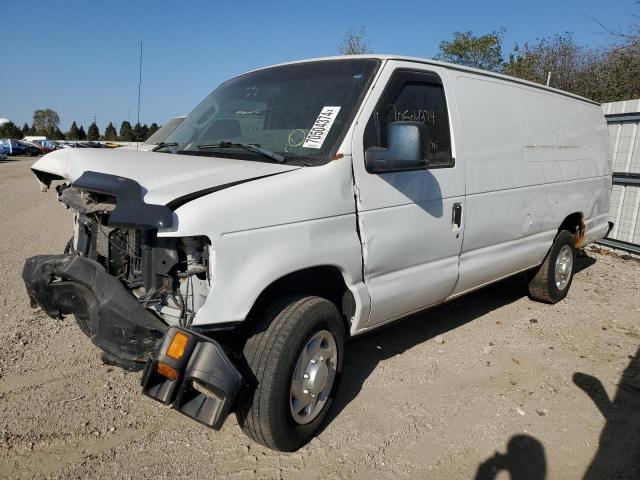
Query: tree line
column 604, row 75
column 46, row 122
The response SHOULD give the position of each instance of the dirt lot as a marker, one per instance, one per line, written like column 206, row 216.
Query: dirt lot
column 487, row 384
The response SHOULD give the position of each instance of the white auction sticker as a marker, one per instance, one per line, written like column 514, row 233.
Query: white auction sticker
column 321, row 127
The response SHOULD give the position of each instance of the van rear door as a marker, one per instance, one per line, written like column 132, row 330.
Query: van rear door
column 411, row 222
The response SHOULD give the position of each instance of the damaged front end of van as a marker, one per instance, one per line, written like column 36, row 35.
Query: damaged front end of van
column 134, row 293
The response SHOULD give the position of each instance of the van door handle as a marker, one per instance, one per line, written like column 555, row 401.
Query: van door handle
column 456, row 215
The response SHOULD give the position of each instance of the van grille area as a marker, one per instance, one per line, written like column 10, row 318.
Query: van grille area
column 117, row 249
column 170, row 276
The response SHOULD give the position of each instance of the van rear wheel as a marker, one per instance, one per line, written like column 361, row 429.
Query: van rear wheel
column 551, row 282
column 295, row 358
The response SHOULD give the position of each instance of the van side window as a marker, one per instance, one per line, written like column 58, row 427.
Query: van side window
column 414, row 97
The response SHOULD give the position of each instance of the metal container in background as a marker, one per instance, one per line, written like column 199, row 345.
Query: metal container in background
column 623, row 119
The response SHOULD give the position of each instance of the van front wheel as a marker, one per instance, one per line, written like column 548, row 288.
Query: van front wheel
column 551, row 282
column 294, row 357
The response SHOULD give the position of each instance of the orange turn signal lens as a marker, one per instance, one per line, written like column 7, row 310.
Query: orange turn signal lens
column 178, row 345
column 166, row 371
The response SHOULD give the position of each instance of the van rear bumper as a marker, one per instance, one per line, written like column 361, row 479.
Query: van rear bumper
column 106, row 311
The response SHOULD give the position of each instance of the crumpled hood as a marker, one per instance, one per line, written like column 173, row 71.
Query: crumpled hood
column 164, row 176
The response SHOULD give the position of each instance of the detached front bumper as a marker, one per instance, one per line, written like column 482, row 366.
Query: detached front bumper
column 184, row 369
column 107, row 312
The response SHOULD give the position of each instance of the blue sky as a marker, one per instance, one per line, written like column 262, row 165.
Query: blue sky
column 80, row 58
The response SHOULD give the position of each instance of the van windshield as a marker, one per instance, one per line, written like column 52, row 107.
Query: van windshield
column 299, row 111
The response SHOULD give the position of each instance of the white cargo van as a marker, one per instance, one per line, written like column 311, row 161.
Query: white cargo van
column 304, row 203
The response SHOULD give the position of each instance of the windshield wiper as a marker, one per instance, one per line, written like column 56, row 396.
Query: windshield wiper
column 247, row 146
column 163, row 144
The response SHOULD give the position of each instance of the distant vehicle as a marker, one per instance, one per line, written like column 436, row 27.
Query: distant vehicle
column 4, row 150
column 4, row 147
column 72, row 144
column 157, row 138
column 40, row 146
column 30, row 150
column 50, row 144
column 16, row 147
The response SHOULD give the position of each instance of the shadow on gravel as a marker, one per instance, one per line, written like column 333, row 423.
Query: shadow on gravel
column 618, row 454
column 365, row 352
column 583, row 261
column 524, row 460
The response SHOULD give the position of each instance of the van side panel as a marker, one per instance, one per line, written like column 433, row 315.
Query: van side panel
column 533, row 157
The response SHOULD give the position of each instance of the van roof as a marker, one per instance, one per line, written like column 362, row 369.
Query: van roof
column 450, row 66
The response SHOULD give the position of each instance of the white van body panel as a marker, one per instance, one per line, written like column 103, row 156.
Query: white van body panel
column 533, row 157
column 526, row 157
column 265, row 229
column 164, row 178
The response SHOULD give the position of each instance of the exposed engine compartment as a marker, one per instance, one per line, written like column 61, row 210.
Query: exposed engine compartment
column 170, row 276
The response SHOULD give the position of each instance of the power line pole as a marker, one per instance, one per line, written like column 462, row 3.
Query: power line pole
column 139, row 82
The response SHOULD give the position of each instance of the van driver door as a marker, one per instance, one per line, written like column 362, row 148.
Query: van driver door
column 411, row 222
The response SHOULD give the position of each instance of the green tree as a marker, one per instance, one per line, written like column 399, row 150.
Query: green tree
column 57, row 134
column 139, row 132
column 72, row 134
column 354, row 43
column 153, row 128
column 10, row 130
column 126, row 132
column 45, row 121
column 25, row 129
column 601, row 75
column 557, row 55
column 110, row 132
column 484, row 52
column 93, row 133
column 617, row 77
column 82, row 135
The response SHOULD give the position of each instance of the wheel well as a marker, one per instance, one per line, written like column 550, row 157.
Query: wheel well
column 323, row 281
column 574, row 224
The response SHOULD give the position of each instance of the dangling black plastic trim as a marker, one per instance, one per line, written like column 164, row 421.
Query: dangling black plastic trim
column 131, row 211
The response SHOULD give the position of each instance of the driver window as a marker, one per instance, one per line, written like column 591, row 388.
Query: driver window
column 410, row 100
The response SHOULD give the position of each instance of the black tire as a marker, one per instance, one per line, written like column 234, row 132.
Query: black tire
column 542, row 285
column 271, row 354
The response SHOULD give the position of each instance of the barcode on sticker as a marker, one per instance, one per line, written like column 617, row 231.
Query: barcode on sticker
column 321, row 127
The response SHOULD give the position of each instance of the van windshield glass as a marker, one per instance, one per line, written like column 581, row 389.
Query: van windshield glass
column 300, row 112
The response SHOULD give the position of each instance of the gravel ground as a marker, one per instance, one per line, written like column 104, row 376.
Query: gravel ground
column 488, row 384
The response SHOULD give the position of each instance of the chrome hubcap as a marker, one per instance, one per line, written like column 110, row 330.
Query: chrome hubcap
column 564, row 265
column 313, row 377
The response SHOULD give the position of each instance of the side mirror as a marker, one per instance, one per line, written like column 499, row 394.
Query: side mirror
column 405, row 142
